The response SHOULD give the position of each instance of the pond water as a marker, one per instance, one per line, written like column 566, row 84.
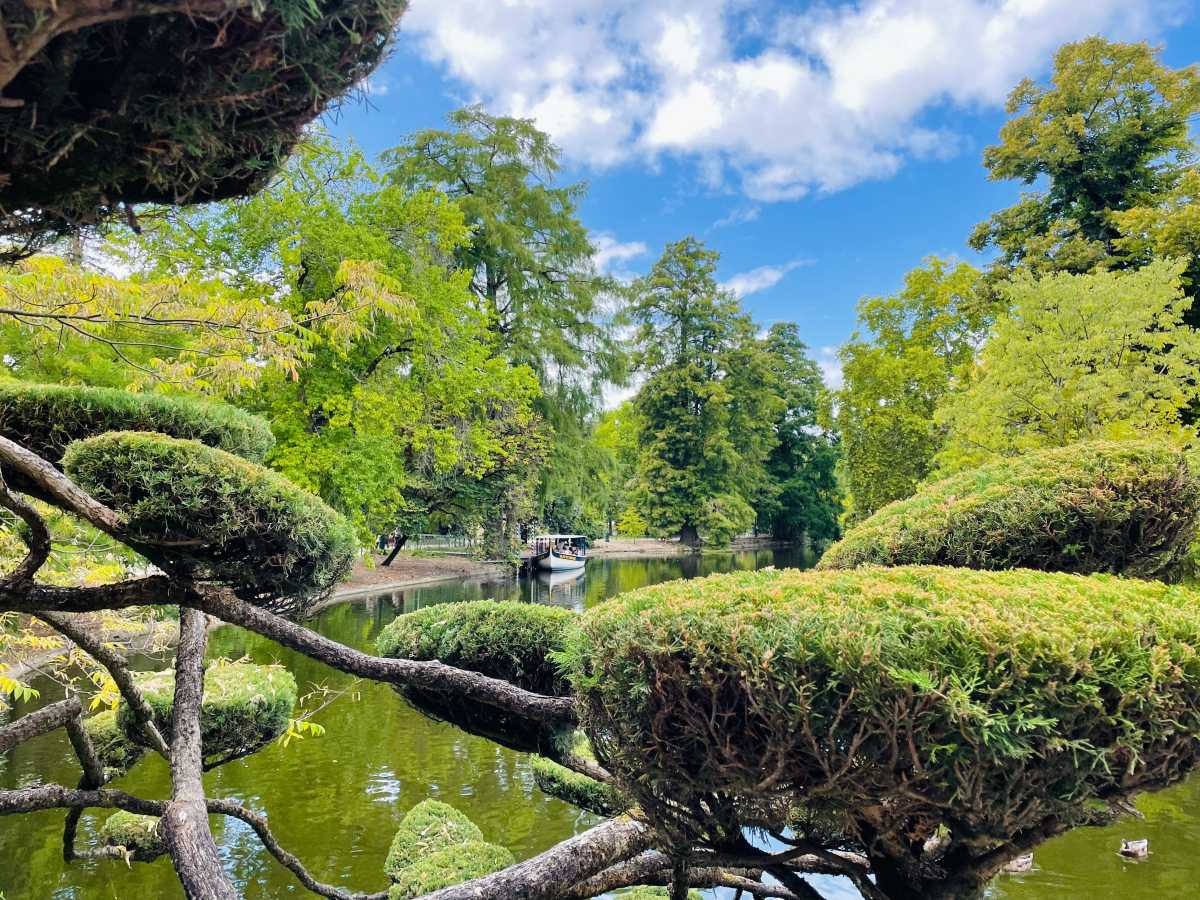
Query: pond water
column 336, row 800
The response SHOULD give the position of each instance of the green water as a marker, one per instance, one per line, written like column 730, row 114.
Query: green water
column 335, row 801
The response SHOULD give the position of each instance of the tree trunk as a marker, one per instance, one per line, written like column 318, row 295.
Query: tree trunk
column 401, row 540
column 185, row 821
column 689, row 536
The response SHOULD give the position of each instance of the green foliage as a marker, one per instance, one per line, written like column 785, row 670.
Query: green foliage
column 707, row 408
column 529, row 257
column 576, row 789
column 896, row 372
column 216, row 515
column 116, row 751
column 445, row 868
column 503, row 639
column 1109, row 133
column 245, row 706
column 531, row 270
column 408, row 421
column 925, row 701
column 191, row 109
column 1125, row 508
column 45, row 418
column 139, row 835
column 801, row 498
column 643, row 892
column 1077, row 357
column 428, row 827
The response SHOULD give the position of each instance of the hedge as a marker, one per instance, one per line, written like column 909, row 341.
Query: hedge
column 429, row 826
column 216, row 516
column 45, row 418
column 116, row 751
column 914, row 697
column 244, row 707
column 504, row 639
column 445, row 868
column 578, row 790
column 139, row 835
column 1127, row 508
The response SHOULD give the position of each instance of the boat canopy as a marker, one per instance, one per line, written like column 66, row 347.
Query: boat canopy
column 558, row 537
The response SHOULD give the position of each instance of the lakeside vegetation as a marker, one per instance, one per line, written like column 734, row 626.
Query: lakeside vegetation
column 991, row 655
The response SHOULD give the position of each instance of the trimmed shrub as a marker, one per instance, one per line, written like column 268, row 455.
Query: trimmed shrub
column 445, row 868
column 428, row 827
column 921, row 700
column 245, row 706
column 1127, row 508
column 216, row 516
column 578, row 790
column 643, row 892
column 45, row 418
column 137, row 834
column 117, row 752
column 504, row 639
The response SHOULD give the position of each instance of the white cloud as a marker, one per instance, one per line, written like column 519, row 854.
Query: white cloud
column 831, row 367
column 610, row 252
column 780, row 101
column 746, row 283
column 737, row 216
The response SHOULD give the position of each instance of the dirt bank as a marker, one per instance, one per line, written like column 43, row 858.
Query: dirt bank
column 406, row 571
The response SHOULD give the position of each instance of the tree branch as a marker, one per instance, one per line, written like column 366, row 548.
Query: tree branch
column 185, row 820
column 44, row 720
column 547, row 875
column 115, row 664
column 428, row 675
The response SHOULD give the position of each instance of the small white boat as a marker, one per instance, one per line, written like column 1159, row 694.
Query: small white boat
column 559, row 552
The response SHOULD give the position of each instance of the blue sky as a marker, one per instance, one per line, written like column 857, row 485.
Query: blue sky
column 823, row 149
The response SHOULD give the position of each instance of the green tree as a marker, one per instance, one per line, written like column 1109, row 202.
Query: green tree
column 531, row 273
column 896, row 370
column 802, row 497
column 1167, row 229
column 1103, row 355
column 1108, row 134
column 408, row 418
column 707, row 407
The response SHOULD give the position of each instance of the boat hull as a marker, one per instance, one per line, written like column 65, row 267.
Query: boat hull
column 560, row 562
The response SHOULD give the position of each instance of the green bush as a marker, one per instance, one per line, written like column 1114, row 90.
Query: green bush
column 445, row 868
column 643, row 892
column 216, row 516
column 923, row 700
column 117, row 752
column 45, row 418
column 1126, row 508
column 576, row 789
column 503, row 639
column 428, row 827
column 139, row 835
column 245, row 706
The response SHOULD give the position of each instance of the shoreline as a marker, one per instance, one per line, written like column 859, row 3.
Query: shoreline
column 417, row 571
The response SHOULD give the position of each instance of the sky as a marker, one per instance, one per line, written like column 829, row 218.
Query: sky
column 824, row 149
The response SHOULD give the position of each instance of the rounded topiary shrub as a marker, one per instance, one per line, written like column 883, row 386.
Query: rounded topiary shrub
column 445, row 868
column 428, row 827
column 244, row 707
column 921, row 700
column 1123, row 507
column 117, row 753
column 503, row 639
column 45, row 418
column 215, row 516
column 139, row 835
